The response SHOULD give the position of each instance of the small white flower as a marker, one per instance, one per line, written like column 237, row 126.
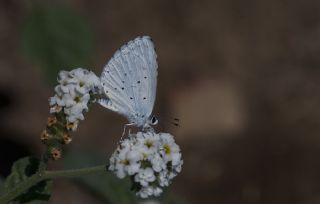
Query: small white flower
column 116, row 163
column 78, row 73
column 92, row 82
column 55, row 109
column 69, row 99
column 57, row 100
column 157, row 191
column 133, row 157
column 127, row 162
column 119, row 168
column 62, row 76
column 178, row 167
column 85, row 80
column 149, row 141
column 145, row 192
column 62, row 88
column 157, row 163
column 170, row 150
column 77, row 104
column 171, row 175
column 113, row 160
column 163, row 178
column 73, row 118
column 53, row 100
column 145, row 176
column 149, row 191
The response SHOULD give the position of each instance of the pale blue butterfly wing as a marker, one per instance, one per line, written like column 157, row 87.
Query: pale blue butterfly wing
column 130, row 80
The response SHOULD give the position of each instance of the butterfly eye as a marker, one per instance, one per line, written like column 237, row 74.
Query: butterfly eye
column 154, row 120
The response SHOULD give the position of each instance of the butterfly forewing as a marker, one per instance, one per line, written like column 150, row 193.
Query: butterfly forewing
column 130, row 79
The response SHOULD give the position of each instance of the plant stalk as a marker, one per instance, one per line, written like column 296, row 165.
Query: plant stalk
column 44, row 175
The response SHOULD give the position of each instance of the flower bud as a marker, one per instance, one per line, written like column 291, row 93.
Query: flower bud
column 55, row 153
column 51, row 121
column 44, row 135
column 71, row 126
column 66, row 139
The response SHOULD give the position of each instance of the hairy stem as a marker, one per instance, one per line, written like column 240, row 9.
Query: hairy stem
column 75, row 172
column 44, row 175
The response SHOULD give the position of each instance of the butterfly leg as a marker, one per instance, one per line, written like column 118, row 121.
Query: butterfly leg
column 124, row 130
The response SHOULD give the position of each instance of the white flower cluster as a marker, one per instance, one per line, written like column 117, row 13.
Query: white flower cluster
column 73, row 94
column 151, row 160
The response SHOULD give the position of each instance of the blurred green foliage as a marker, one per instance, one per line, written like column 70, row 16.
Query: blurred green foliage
column 107, row 186
column 1, row 185
column 21, row 170
column 55, row 37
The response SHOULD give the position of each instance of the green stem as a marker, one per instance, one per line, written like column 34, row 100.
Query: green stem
column 40, row 176
column 74, row 172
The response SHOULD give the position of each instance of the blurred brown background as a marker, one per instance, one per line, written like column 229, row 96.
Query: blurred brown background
column 242, row 76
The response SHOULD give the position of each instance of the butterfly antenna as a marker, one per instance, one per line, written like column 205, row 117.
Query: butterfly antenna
column 176, row 122
column 173, row 121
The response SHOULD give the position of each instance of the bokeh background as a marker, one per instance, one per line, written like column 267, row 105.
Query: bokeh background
column 242, row 76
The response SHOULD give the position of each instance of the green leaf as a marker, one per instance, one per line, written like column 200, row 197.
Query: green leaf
column 20, row 171
column 106, row 186
column 55, row 37
column 1, row 185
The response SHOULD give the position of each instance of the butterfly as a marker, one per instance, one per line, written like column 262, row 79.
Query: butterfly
column 129, row 82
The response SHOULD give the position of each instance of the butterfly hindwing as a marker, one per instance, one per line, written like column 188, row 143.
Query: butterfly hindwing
column 130, row 79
